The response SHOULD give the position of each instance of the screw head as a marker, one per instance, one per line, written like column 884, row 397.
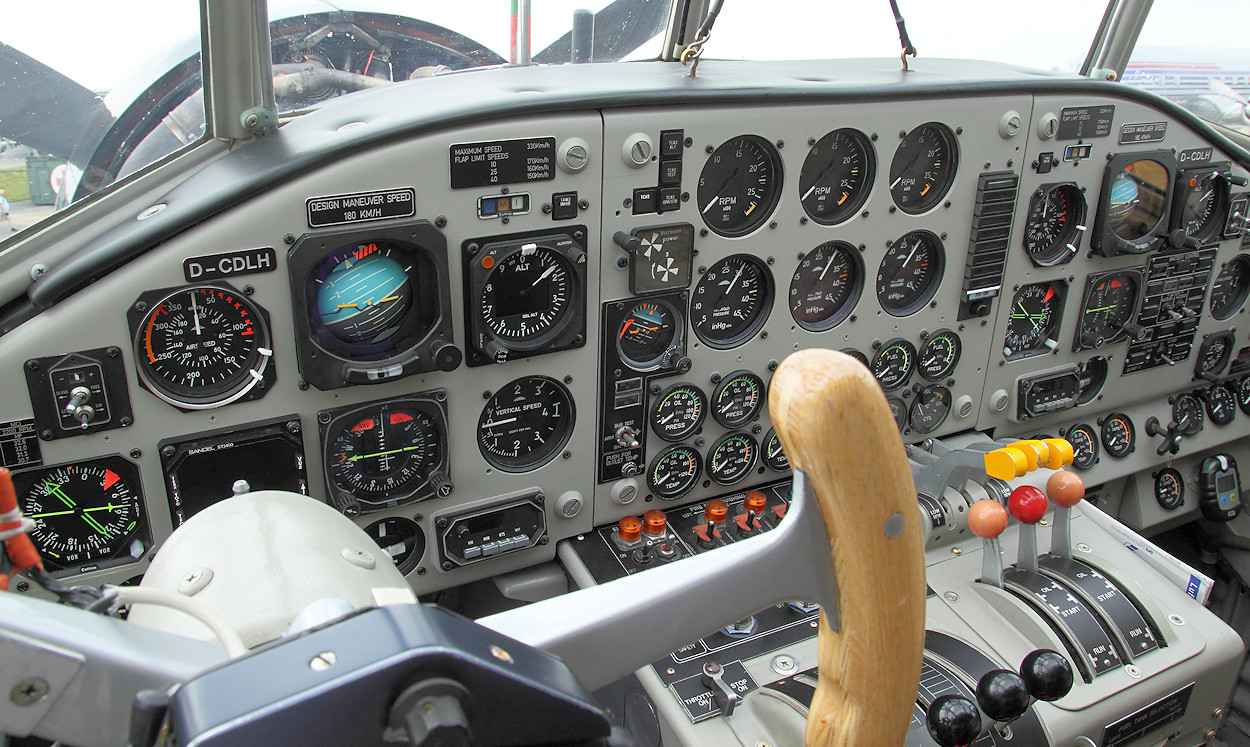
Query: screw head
column 29, row 691
column 323, row 661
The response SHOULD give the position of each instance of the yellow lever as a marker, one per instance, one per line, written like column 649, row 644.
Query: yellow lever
column 1006, row 463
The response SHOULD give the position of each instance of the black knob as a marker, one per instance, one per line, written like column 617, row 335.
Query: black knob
column 1002, row 695
column 447, row 356
column 953, row 721
column 1047, row 675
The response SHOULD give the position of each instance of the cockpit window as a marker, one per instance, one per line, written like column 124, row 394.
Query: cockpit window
column 1209, row 74
column 1053, row 37
column 92, row 92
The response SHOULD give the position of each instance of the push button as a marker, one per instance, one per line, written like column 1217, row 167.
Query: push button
column 670, row 199
column 670, row 173
column 671, row 143
column 564, row 206
column 644, row 200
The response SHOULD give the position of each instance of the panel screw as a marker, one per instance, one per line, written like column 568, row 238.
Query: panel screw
column 323, row 417
column 125, row 422
column 323, row 661
column 956, row 551
column 135, row 453
column 446, row 565
column 288, row 239
column 547, row 208
column 38, row 270
column 951, row 596
column 303, row 385
column 23, row 586
column 442, row 522
column 1217, row 713
column 421, row 570
column 583, row 204
column 783, row 664
column 249, row 290
column 29, row 691
column 32, row 365
column 293, row 427
column 568, row 378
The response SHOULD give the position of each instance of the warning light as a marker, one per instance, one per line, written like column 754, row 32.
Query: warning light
column 488, row 262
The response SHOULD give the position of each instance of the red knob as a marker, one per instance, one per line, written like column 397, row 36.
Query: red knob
column 716, row 511
column 1065, row 488
column 1027, row 504
column 654, row 521
column 629, row 529
column 987, row 519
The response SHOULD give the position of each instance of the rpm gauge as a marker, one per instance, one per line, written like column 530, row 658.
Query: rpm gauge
column 383, row 454
column 910, row 273
column 202, row 347
column 826, row 286
column 923, row 167
column 525, row 424
column 1231, row 287
column 731, row 302
column 1084, row 445
column 678, row 412
column 86, row 514
column 1055, row 221
column 740, row 185
column 836, row 176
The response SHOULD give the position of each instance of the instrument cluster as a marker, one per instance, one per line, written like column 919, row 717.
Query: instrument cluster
column 546, row 333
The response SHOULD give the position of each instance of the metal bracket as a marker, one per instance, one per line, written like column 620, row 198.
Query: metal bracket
column 259, row 118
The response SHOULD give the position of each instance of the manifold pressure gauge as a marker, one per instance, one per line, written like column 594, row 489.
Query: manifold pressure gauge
column 200, row 347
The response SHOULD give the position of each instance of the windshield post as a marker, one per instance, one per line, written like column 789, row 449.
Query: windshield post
column 1113, row 45
column 238, row 71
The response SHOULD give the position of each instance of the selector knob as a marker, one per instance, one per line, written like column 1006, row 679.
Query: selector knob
column 496, row 351
column 1002, row 695
column 1046, row 674
column 953, row 721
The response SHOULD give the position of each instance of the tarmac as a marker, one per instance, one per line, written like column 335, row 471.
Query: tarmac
column 26, row 213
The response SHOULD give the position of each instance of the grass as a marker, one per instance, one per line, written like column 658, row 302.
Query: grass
column 13, row 182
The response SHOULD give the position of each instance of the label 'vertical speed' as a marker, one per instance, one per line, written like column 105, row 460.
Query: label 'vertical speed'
column 503, row 162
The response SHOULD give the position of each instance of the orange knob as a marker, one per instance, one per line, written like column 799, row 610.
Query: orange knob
column 1065, row 488
column 987, row 519
column 654, row 521
column 716, row 511
column 755, row 502
column 630, row 529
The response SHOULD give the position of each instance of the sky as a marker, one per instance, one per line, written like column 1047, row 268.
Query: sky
column 97, row 43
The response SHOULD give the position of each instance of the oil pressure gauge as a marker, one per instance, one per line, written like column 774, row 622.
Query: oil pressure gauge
column 678, row 412
column 738, row 399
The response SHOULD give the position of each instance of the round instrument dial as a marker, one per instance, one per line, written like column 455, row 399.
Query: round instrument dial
column 1169, row 489
column 1109, row 304
column 1231, row 287
column 1084, row 445
column 738, row 399
column 773, row 455
column 894, row 363
column 525, row 424
column 898, row 409
column 85, row 514
column 940, row 355
column 647, row 334
column 528, row 296
column 674, row 472
column 381, row 454
column 837, row 176
column 1221, row 405
column 1187, row 412
column 732, row 458
column 910, row 273
column 364, row 294
column 1054, row 223
column 826, row 286
column 1137, row 199
column 1091, row 374
column 1243, row 395
column 857, row 356
column 399, row 538
column 740, row 185
column 1118, row 435
column 202, row 347
column 923, row 167
column 731, row 301
column 1203, row 200
column 1214, row 354
column 1033, row 320
column 930, row 409
column 678, row 412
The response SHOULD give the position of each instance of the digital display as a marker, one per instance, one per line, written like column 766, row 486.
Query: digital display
column 1225, row 482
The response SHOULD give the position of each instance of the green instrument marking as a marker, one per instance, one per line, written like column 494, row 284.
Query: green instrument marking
column 1104, row 308
column 358, row 457
column 52, row 513
column 56, row 491
column 95, row 525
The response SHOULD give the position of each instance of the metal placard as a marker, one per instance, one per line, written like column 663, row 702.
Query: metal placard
column 361, row 207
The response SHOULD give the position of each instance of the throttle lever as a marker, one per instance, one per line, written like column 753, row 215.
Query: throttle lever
column 725, row 696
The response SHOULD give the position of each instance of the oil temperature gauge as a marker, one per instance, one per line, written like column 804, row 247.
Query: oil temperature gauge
column 1118, row 435
column 894, row 363
column 940, row 355
column 1084, row 445
column 738, row 399
column 1169, row 489
column 732, row 458
column 898, row 408
column 675, row 471
column 1221, row 405
column 678, row 412
column 1187, row 412
column 773, row 456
